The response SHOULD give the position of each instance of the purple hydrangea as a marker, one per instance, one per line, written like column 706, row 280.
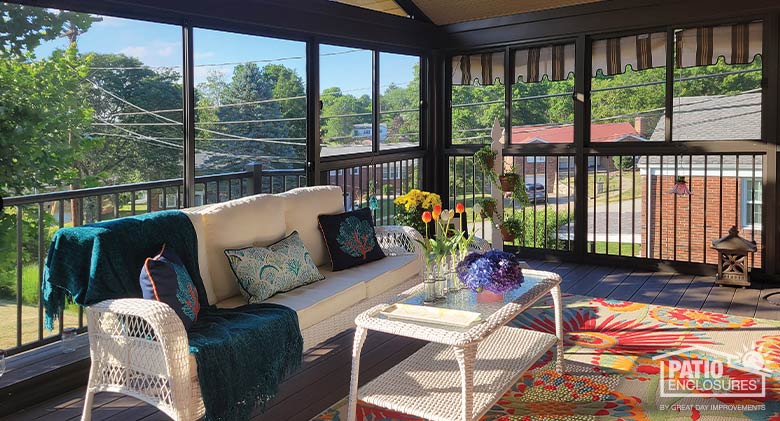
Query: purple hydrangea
column 496, row 271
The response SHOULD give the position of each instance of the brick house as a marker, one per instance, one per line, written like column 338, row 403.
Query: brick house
column 726, row 190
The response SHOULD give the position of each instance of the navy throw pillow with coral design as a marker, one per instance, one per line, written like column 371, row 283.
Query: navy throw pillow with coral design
column 350, row 238
column 165, row 279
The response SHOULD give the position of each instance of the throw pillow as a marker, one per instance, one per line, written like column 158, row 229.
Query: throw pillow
column 350, row 238
column 280, row 267
column 165, row 279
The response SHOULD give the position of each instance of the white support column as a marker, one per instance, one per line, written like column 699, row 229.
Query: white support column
column 498, row 166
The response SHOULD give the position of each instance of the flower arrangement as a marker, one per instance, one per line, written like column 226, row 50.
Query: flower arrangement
column 410, row 207
column 495, row 271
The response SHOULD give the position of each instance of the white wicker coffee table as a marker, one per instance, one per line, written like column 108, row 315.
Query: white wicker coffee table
column 464, row 370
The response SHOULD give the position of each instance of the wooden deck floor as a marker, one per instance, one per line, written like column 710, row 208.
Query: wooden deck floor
column 324, row 376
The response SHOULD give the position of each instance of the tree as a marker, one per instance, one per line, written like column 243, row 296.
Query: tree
column 23, row 28
column 123, row 152
column 42, row 118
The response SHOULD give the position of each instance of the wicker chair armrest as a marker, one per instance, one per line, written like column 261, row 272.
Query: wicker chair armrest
column 397, row 240
column 143, row 336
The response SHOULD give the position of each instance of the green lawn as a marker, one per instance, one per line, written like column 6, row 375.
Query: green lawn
column 623, row 249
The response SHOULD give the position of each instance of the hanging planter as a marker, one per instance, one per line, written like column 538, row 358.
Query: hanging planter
column 681, row 187
column 485, row 158
column 508, row 182
column 488, row 208
column 507, row 235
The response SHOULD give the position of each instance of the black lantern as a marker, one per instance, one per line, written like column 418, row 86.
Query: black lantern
column 733, row 259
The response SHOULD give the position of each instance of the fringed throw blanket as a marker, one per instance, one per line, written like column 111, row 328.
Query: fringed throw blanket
column 242, row 353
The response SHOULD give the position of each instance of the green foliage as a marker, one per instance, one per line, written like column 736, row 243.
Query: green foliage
column 624, row 162
column 483, row 159
column 24, row 28
column 388, row 190
column 512, row 224
column 122, row 154
column 540, row 228
column 412, row 218
column 42, row 117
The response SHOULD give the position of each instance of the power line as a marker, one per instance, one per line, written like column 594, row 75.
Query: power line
column 174, row 121
column 272, row 60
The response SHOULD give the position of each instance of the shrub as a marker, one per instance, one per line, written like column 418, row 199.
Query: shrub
column 542, row 231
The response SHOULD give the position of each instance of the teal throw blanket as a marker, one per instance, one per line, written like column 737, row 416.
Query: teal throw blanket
column 242, row 353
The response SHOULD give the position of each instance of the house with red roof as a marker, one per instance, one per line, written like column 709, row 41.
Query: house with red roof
column 545, row 170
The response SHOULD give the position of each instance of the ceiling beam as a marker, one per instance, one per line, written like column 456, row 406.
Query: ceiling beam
column 413, row 11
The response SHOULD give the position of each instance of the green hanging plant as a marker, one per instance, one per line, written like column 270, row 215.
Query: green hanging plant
column 485, row 159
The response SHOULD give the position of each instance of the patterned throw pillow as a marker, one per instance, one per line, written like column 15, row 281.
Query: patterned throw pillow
column 165, row 279
column 350, row 238
column 280, row 267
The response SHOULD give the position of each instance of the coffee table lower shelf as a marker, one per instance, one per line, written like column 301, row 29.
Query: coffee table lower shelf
column 428, row 383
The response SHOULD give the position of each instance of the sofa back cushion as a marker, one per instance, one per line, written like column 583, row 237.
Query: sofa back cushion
column 302, row 207
column 238, row 223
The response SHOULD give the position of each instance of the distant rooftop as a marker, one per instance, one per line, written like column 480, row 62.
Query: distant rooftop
column 718, row 117
column 605, row 132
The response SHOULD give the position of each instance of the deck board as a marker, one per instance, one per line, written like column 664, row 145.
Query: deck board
column 324, row 376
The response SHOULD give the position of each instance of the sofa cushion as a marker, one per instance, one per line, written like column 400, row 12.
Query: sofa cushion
column 324, row 299
column 263, row 271
column 340, row 289
column 389, row 272
column 165, row 279
column 350, row 238
column 302, row 207
column 237, row 223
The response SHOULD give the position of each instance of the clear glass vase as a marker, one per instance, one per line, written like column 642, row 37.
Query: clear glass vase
column 435, row 279
column 455, row 284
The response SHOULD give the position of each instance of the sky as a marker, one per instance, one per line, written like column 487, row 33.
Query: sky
column 160, row 45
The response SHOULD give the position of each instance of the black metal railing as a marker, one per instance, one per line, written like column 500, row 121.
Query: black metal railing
column 549, row 186
column 31, row 221
column 631, row 210
column 383, row 179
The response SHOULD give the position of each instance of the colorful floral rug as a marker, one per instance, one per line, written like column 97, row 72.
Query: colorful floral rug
column 617, row 367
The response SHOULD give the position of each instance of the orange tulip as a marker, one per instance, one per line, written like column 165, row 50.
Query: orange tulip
column 460, row 208
column 426, row 217
column 436, row 212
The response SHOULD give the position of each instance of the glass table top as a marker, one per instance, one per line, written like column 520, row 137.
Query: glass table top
column 485, row 303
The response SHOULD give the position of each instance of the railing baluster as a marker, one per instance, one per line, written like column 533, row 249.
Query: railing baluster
column 606, row 213
column 19, row 268
column 595, row 194
column 60, row 224
column 706, row 176
column 674, row 213
column 40, row 270
column 620, row 205
column 661, row 209
column 736, row 190
column 720, row 199
column 690, row 205
column 633, row 204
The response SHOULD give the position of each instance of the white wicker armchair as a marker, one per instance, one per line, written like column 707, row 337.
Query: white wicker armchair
column 140, row 348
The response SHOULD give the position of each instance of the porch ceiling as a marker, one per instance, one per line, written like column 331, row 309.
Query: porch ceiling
column 444, row 12
column 384, row 6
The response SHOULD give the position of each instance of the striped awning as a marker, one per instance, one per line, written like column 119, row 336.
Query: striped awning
column 641, row 52
column 554, row 61
column 481, row 69
column 737, row 44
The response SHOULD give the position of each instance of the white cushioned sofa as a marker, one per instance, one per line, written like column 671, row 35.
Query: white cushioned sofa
column 157, row 347
column 267, row 218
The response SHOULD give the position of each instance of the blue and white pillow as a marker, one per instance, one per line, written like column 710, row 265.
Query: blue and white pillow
column 164, row 278
column 280, row 267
